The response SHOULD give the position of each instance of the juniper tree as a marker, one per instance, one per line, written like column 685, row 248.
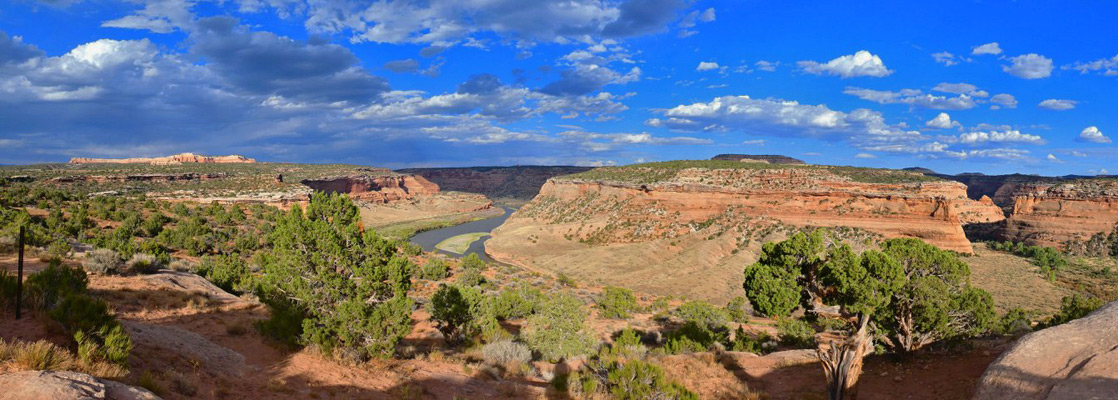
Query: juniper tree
column 348, row 285
column 909, row 293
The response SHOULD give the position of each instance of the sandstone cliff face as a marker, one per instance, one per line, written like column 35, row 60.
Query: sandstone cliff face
column 521, row 182
column 376, row 189
column 690, row 232
column 1076, row 360
column 933, row 211
column 1054, row 213
column 183, row 158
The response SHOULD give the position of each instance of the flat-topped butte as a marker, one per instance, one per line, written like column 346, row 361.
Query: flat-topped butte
column 670, row 171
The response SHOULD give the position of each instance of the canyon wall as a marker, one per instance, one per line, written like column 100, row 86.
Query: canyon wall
column 376, row 189
column 519, row 182
column 692, row 232
column 1050, row 214
column 183, row 158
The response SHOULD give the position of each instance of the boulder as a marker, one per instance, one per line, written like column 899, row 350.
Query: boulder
column 1076, row 360
column 66, row 385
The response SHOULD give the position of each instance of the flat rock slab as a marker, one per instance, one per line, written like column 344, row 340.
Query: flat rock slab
column 66, row 385
column 1076, row 360
column 189, row 345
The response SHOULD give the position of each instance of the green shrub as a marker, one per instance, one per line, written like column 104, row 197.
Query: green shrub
column 742, row 341
column 519, row 302
column 736, row 310
column 79, row 312
column 451, row 312
column 46, row 288
column 558, row 329
column 7, row 288
column 640, row 380
column 59, row 249
column 1014, row 321
column 350, row 284
column 566, row 280
column 1074, row 307
column 144, row 264
column 434, row 270
column 227, row 272
column 102, row 261
column 692, row 337
column 109, row 343
column 470, row 277
column 506, row 353
column 795, row 333
column 702, row 313
column 472, row 261
column 616, row 302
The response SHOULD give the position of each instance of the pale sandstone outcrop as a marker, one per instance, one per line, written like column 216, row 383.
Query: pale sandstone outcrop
column 183, row 158
column 66, row 385
column 1076, row 360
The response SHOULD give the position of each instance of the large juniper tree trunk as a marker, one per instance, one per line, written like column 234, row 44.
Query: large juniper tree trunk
column 842, row 361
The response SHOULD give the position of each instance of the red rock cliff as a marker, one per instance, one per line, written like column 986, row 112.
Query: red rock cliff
column 933, row 211
column 1051, row 214
column 380, row 189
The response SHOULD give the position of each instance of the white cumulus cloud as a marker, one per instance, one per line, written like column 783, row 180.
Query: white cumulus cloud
column 1029, row 66
column 1093, row 134
column 707, row 66
column 988, row 48
column 913, row 97
column 1057, row 104
column 942, row 121
column 1003, row 100
column 862, row 63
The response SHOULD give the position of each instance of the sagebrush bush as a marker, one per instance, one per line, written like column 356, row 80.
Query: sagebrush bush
column 795, row 333
column 102, row 261
column 616, row 302
column 144, row 264
column 182, row 265
column 470, row 277
column 507, row 353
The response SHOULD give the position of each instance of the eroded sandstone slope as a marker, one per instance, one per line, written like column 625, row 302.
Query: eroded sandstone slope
column 1054, row 213
column 667, row 227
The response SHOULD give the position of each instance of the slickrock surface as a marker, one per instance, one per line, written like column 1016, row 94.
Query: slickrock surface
column 66, row 385
column 1076, row 360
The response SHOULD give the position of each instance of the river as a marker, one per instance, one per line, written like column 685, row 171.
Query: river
column 428, row 239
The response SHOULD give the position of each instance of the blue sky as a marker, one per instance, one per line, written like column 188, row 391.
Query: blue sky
column 990, row 86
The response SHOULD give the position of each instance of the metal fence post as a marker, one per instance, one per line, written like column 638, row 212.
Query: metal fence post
column 19, row 277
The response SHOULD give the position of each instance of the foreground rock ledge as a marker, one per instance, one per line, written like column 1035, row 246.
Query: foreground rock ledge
column 1076, row 360
column 66, row 385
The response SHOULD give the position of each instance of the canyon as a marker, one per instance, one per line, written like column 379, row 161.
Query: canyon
column 182, row 158
column 515, row 183
column 383, row 188
column 688, row 228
